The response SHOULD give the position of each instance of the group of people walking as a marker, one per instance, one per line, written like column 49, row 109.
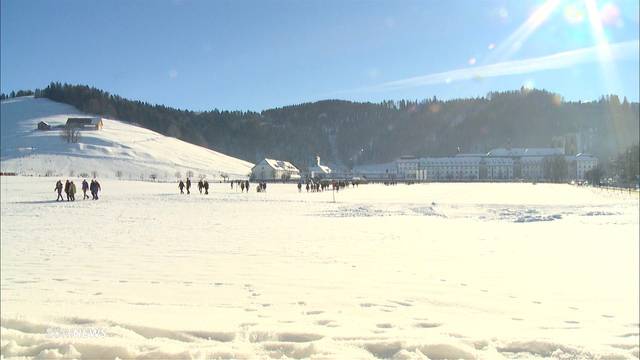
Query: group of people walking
column 70, row 189
column 243, row 184
column 311, row 185
column 186, row 185
column 318, row 186
column 204, row 185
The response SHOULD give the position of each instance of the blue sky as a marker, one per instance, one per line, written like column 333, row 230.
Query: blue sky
column 253, row 55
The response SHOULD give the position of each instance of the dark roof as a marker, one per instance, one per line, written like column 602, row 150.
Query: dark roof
column 79, row 121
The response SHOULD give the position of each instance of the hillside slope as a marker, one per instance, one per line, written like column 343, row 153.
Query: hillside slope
column 131, row 151
column 354, row 133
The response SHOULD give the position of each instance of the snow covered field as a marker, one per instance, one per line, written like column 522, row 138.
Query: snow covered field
column 438, row 271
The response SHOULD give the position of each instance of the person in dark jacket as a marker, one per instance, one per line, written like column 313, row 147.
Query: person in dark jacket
column 98, row 188
column 58, row 188
column 200, row 186
column 94, row 187
column 299, row 187
column 72, row 191
column 188, row 186
column 181, row 186
column 66, row 189
column 242, row 186
column 85, row 187
column 246, row 185
column 206, row 187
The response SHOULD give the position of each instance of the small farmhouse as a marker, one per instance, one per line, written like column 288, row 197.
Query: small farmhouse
column 270, row 169
column 43, row 126
column 88, row 123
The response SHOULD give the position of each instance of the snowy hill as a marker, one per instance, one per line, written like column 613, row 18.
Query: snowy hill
column 135, row 152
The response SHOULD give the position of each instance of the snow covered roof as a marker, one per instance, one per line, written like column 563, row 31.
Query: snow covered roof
column 525, row 152
column 320, row 169
column 279, row 165
column 451, row 161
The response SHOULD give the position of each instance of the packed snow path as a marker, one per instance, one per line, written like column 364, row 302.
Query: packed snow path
column 438, row 271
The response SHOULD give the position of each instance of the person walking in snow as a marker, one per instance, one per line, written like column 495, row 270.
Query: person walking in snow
column 94, row 187
column 242, row 186
column 85, row 187
column 231, row 184
column 66, row 188
column 246, row 185
column 299, row 187
column 188, row 186
column 58, row 188
column 200, row 186
column 72, row 191
column 206, row 187
column 181, row 187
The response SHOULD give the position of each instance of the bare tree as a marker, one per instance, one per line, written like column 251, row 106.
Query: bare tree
column 70, row 134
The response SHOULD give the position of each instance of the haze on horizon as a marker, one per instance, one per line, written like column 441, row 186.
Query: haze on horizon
column 251, row 55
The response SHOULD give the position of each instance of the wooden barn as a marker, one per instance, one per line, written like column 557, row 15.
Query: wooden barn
column 90, row 123
column 43, row 126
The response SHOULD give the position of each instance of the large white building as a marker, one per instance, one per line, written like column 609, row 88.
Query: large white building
column 497, row 168
column 532, row 167
column 270, row 169
column 407, row 167
column 497, row 164
column 448, row 168
column 580, row 164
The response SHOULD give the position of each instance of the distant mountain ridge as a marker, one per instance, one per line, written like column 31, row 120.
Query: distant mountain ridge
column 351, row 133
